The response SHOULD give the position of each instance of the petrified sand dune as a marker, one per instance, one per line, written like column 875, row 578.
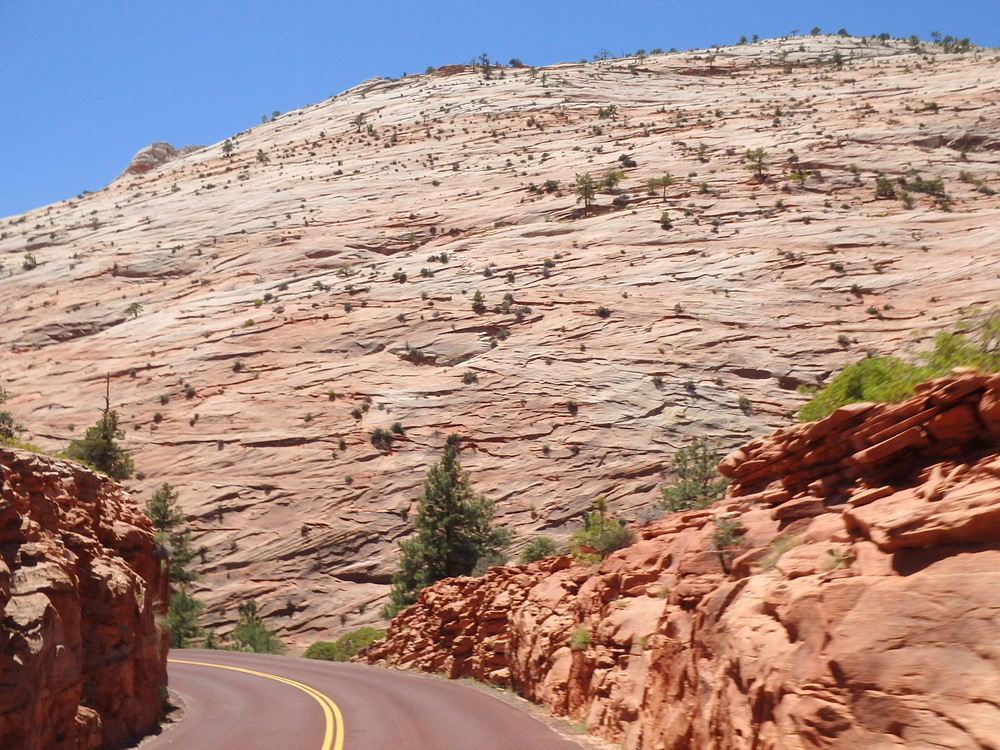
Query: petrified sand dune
column 318, row 284
column 856, row 605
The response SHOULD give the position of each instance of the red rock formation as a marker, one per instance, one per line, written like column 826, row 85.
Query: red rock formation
column 858, row 606
column 82, row 662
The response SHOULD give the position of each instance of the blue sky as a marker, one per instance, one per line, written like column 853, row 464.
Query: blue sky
column 87, row 84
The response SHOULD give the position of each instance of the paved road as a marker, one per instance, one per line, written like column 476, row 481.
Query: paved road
column 257, row 702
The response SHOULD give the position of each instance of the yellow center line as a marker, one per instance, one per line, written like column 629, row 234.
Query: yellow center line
column 333, row 737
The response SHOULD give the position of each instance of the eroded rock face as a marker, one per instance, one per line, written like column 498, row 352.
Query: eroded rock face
column 82, row 662
column 156, row 155
column 858, row 607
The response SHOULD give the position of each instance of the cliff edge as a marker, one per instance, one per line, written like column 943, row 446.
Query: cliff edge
column 845, row 593
column 82, row 663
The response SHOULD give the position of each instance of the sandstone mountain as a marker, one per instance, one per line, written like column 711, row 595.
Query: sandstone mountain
column 82, row 662
column 844, row 594
column 318, row 283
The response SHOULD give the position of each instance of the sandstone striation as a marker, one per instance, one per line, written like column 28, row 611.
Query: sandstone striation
column 317, row 284
column 82, row 662
column 845, row 593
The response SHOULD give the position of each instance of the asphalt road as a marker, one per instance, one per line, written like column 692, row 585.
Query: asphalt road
column 256, row 702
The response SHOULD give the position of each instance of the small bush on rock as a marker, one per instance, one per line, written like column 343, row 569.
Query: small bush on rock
column 698, row 483
column 602, row 532
column 539, row 548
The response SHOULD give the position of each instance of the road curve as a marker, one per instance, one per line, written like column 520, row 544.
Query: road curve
column 367, row 708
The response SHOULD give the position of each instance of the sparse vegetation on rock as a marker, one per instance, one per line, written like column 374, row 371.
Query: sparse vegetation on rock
column 586, row 190
column 601, row 532
column 9, row 426
column 756, row 159
column 698, row 483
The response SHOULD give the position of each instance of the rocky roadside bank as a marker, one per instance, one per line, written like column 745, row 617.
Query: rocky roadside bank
column 845, row 593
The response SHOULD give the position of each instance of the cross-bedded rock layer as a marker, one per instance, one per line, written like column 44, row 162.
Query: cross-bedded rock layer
column 318, row 284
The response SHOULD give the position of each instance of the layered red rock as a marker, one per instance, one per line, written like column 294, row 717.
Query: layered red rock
column 82, row 661
column 858, row 606
column 275, row 321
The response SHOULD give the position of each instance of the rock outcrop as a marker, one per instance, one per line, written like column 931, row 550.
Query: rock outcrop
column 844, row 594
column 156, row 155
column 82, row 663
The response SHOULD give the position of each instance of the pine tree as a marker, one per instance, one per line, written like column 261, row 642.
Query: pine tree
column 99, row 448
column 454, row 528
column 585, row 190
column 698, row 482
column 168, row 521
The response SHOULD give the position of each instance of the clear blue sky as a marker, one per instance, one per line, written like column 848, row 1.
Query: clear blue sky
column 87, row 84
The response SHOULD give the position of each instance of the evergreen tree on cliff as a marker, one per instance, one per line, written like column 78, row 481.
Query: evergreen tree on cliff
column 99, row 447
column 454, row 528
column 168, row 521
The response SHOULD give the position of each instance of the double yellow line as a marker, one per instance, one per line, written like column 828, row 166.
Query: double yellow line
column 333, row 737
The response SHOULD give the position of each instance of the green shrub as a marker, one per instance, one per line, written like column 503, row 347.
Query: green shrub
column 251, row 634
column 382, row 439
column 728, row 533
column 873, row 379
column 579, row 640
column 478, row 302
column 538, row 548
column 99, row 448
column 9, row 427
column 698, row 483
column 602, row 532
column 884, row 187
column 756, row 160
column 918, row 185
column 975, row 342
column 348, row 645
